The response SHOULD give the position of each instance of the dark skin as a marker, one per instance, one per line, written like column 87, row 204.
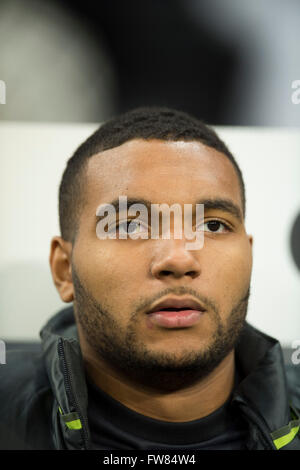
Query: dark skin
column 114, row 282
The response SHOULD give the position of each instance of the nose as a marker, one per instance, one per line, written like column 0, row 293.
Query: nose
column 173, row 260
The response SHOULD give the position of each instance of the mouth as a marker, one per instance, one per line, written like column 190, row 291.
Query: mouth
column 176, row 304
column 176, row 313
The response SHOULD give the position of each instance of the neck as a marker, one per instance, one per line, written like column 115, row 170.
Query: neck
column 188, row 403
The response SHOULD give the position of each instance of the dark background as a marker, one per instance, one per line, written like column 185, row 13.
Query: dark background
column 228, row 62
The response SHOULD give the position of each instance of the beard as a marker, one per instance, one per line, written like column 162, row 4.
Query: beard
column 123, row 350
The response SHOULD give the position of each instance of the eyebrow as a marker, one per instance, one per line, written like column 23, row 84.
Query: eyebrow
column 130, row 202
column 223, row 204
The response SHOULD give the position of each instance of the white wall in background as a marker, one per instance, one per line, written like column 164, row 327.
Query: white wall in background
column 32, row 160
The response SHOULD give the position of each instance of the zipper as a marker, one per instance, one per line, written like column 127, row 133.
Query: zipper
column 69, row 390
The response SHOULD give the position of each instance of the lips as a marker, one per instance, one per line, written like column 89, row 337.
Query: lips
column 173, row 304
column 175, row 313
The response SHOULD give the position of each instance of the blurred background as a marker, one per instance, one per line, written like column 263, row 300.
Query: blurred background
column 229, row 62
column 70, row 65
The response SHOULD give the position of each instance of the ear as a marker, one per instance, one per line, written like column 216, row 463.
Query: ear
column 250, row 238
column 60, row 264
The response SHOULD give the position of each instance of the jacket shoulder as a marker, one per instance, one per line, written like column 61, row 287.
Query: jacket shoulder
column 25, row 402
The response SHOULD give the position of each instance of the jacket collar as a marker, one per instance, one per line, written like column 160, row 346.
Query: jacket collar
column 260, row 362
column 65, row 368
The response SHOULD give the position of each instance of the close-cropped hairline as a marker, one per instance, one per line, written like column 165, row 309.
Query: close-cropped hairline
column 146, row 124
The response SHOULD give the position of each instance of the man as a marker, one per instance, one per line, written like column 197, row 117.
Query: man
column 154, row 351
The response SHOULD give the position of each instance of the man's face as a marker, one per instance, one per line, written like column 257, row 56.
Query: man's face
column 116, row 281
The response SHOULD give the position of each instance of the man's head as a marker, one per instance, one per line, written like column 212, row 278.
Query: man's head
column 159, row 156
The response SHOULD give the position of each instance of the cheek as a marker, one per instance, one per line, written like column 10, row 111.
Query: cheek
column 111, row 273
column 230, row 270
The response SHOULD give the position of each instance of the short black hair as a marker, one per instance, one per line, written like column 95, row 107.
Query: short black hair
column 140, row 123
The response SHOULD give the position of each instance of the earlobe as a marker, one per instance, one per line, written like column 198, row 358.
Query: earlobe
column 60, row 265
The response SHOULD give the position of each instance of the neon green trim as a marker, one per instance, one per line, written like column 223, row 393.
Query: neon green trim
column 283, row 436
column 75, row 424
column 71, row 420
column 284, row 440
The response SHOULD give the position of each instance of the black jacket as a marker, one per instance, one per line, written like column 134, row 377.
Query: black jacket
column 43, row 395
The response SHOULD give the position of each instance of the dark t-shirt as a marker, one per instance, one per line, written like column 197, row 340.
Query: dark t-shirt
column 114, row 426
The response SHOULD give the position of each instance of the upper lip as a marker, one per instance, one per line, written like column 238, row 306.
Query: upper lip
column 186, row 302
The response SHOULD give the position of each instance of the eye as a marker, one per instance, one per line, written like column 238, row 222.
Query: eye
column 215, row 225
column 131, row 227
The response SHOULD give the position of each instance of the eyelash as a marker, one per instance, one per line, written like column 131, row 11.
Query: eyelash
column 228, row 228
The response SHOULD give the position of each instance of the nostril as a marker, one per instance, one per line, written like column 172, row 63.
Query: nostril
column 165, row 273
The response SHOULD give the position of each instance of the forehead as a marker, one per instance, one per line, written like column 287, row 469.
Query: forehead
column 161, row 171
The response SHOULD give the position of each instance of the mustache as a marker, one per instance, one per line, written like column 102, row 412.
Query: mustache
column 178, row 291
column 183, row 290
